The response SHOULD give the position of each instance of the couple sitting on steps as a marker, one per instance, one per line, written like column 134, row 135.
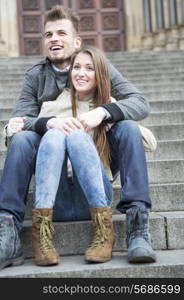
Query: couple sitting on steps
column 74, row 128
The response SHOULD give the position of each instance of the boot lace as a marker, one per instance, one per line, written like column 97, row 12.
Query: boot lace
column 100, row 231
column 137, row 226
column 46, row 232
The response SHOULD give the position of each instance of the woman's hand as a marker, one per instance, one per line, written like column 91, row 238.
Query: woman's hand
column 66, row 125
column 92, row 118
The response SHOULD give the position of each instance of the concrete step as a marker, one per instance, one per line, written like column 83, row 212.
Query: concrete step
column 7, row 103
column 165, row 197
column 159, row 171
column 155, row 118
column 172, row 149
column 162, row 118
column 165, row 106
column 156, row 106
column 150, row 69
column 154, row 95
column 167, row 131
column 161, row 86
column 164, row 171
column 72, row 238
column 151, row 94
column 170, row 264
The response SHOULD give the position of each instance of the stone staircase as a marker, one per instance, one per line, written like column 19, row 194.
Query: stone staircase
column 160, row 76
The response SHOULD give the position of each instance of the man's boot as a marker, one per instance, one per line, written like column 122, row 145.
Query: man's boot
column 11, row 252
column 42, row 237
column 138, row 238
column 103, row 241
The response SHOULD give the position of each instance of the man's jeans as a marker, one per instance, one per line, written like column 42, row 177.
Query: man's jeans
column 128, row 157
column 89, row 186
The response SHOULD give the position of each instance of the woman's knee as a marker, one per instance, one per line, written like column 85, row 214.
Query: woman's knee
column 77, row 138
column 53, row 137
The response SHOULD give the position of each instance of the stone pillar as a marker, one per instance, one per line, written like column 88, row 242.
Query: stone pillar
column 134, row 24
column 159, row 32
column 9, row 44
column 147, row 38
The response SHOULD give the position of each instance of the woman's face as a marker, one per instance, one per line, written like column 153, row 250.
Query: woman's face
column 83, row 75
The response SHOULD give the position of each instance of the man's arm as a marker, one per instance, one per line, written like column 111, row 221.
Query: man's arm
column 27, row 104
column 130, row 105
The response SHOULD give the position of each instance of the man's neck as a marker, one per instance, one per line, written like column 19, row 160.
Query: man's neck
column 55, row 67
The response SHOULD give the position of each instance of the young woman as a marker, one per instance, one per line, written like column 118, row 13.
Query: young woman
column 73, row 160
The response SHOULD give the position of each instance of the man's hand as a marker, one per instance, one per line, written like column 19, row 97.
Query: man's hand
column 92, row 118
column 16, row 124
column 66, row 125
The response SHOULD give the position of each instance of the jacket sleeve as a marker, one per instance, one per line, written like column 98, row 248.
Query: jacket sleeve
column 27, row 104
column 130, row 105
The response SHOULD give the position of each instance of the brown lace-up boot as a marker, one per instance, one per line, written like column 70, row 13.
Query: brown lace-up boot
column 103, row 241
column 42, row 237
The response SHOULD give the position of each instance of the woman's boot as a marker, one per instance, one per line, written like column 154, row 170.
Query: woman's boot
column 103, row 241
column 42, row 237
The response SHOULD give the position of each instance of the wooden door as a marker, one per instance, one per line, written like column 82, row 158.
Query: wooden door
column 102, row 23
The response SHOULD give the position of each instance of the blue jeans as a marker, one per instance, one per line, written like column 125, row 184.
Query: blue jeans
column 128, row 157
column 90, row 182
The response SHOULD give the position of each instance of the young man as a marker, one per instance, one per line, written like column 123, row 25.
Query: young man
column 44, row 82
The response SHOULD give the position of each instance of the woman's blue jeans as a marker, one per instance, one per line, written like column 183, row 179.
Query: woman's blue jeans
column 128, row 158
column 89, row 185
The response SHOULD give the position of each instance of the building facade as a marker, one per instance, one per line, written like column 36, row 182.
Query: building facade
column 111, row 25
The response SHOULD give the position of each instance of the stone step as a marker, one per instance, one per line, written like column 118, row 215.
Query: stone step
column 153, row 77
column 151, row 69
column 141, row 85
column 162, row 118
column 14, row 79
column 164, row 133
column 165, row 106
column 164, row 171
column 167, row 131
column 122, row 58
column 72, row 238
column 155, row 95
column 155, row 118
column 177, row 66
column 160, row 171
column 165, row 197
column 156, row 106
column 172, row 149
column 169, row 265
column 162, row 91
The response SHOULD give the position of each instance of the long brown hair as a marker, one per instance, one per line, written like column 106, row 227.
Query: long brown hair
column 101, row 96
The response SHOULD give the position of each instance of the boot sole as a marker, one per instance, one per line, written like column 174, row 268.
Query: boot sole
column 12, row 262
column 44, row 264
column 97, row 259
column 142, row 259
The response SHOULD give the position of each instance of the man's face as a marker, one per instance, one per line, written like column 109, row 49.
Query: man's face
column 60, row 41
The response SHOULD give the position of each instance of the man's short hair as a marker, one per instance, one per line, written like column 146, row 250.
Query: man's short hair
column 59, row 12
